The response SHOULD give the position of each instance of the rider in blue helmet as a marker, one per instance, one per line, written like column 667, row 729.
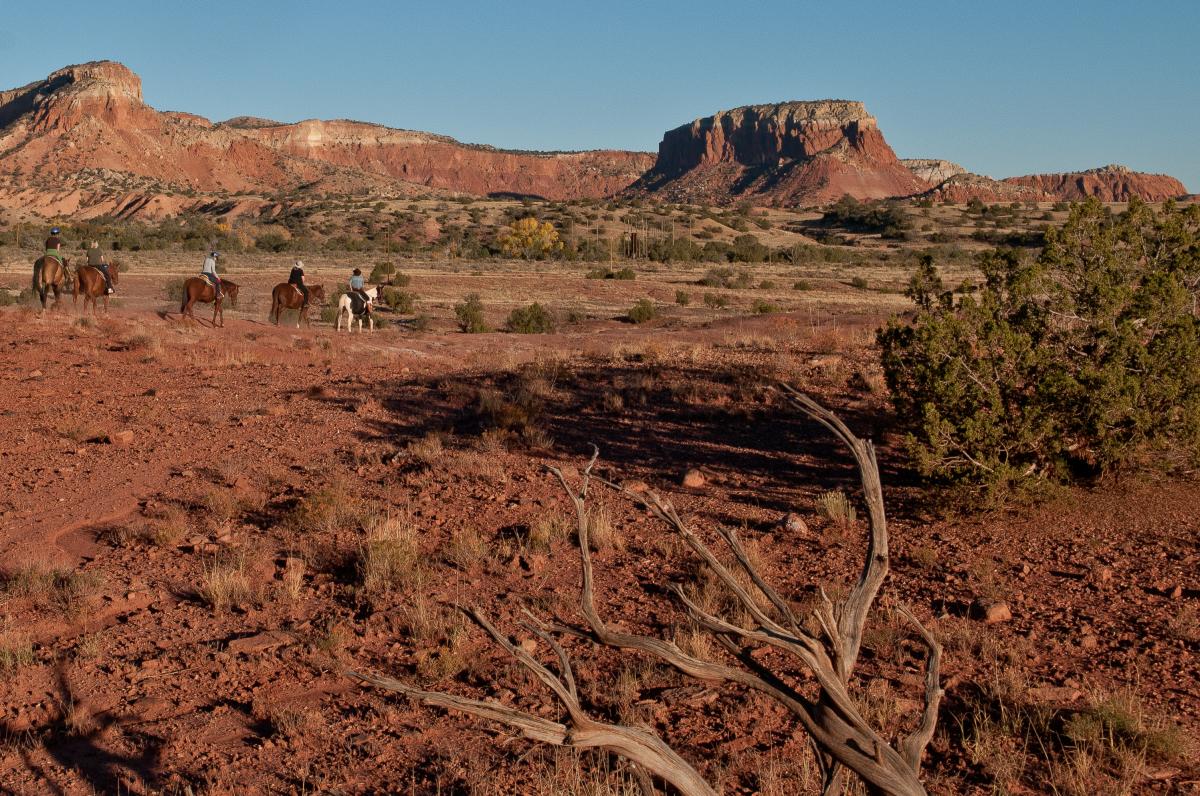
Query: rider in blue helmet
column 54, row 245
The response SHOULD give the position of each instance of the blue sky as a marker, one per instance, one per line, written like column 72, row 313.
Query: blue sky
column 1002, row 88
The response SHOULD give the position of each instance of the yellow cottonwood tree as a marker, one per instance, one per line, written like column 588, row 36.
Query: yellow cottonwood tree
column 530, row 239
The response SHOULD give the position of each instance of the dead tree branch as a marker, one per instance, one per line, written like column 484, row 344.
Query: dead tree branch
column 843, row 738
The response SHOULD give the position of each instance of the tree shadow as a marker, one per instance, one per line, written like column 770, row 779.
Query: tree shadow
column 651, row 420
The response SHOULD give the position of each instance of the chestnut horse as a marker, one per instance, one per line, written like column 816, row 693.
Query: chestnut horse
column 287, row 296
column 89, row 283
column 197, row 288
column 49, row 273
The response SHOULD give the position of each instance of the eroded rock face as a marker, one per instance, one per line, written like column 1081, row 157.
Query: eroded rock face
column 1111, row 183
column 963, row 187
column 932, row 170
column 789, row 153
column 85, row 124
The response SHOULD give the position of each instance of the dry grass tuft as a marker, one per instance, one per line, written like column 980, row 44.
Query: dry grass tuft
column 837, row 508
column 545, row 530
column 292, row 581
column 287, row 720
column 224, row 584
column 50, row 587
column 389, row 558
column 16, row 649
column 426, row 451
column 467, row 549
column 602, row 536
column 328, row 509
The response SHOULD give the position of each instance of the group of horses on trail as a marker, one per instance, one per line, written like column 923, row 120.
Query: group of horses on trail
column 50, row 275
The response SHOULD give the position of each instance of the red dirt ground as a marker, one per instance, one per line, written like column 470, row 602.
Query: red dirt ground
column 137, row 685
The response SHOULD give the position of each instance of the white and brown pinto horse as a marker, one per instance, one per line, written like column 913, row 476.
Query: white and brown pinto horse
column 347, row 304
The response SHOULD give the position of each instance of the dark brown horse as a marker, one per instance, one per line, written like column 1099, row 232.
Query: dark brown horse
column 198, row 288
column 49, row 274
column 90, row 284
column 287, row 296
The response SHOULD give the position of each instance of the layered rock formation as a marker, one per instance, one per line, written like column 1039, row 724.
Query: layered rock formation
column 86, row 129
column 792, row 153
column 931, row 170
column 965, row 186
column 1111, row 183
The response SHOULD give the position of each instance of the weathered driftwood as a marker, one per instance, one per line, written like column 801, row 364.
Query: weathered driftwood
column 842, row 738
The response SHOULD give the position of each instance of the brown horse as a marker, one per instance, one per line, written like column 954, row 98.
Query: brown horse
column 200, row 289
column 287, row 296
column 49, row 274
column 89, row 283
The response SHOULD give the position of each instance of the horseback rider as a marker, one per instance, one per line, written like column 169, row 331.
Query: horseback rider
column 209, row 272
column 296, row 279
column 357, row 289
column 97, row 260
column 54, row 245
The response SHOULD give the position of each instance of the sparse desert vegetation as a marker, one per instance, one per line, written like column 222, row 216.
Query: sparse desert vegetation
column 292, row 503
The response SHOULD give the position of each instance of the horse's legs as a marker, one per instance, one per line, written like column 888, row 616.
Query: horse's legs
column 217, row 309
column 105, row 304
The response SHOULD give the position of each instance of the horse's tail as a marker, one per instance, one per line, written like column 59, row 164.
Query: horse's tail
column 37, row 273
column 183, row 301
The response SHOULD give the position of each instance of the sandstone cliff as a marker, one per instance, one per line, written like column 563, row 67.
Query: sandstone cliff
column 87, row 129
column 792, row 153
column 931, row 170
column 1111, row 183
column 963, row 187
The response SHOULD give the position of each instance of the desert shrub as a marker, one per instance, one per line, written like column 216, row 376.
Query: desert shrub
column 529, row 239
column 715, row 301
column 886, row 218
column 470, row 315
column 766, row 284
column 401, row 301
column 604, row 272
column 764, row 307
column 801, row 284
column 271, row 242
column 7, row 299
column 747, row 249
column 727, row 278
column 859, row 282
column 643, row 311
column 382, row 272
column 534, row 319
column 677, row 250
column 174, row 290
column 683, row 298
column 1078, row 362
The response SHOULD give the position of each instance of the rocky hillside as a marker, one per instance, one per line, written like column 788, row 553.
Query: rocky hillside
column 932, row 170
column 85, row 135
column 1111, row 183
column 792, row 153
column 965, row 186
